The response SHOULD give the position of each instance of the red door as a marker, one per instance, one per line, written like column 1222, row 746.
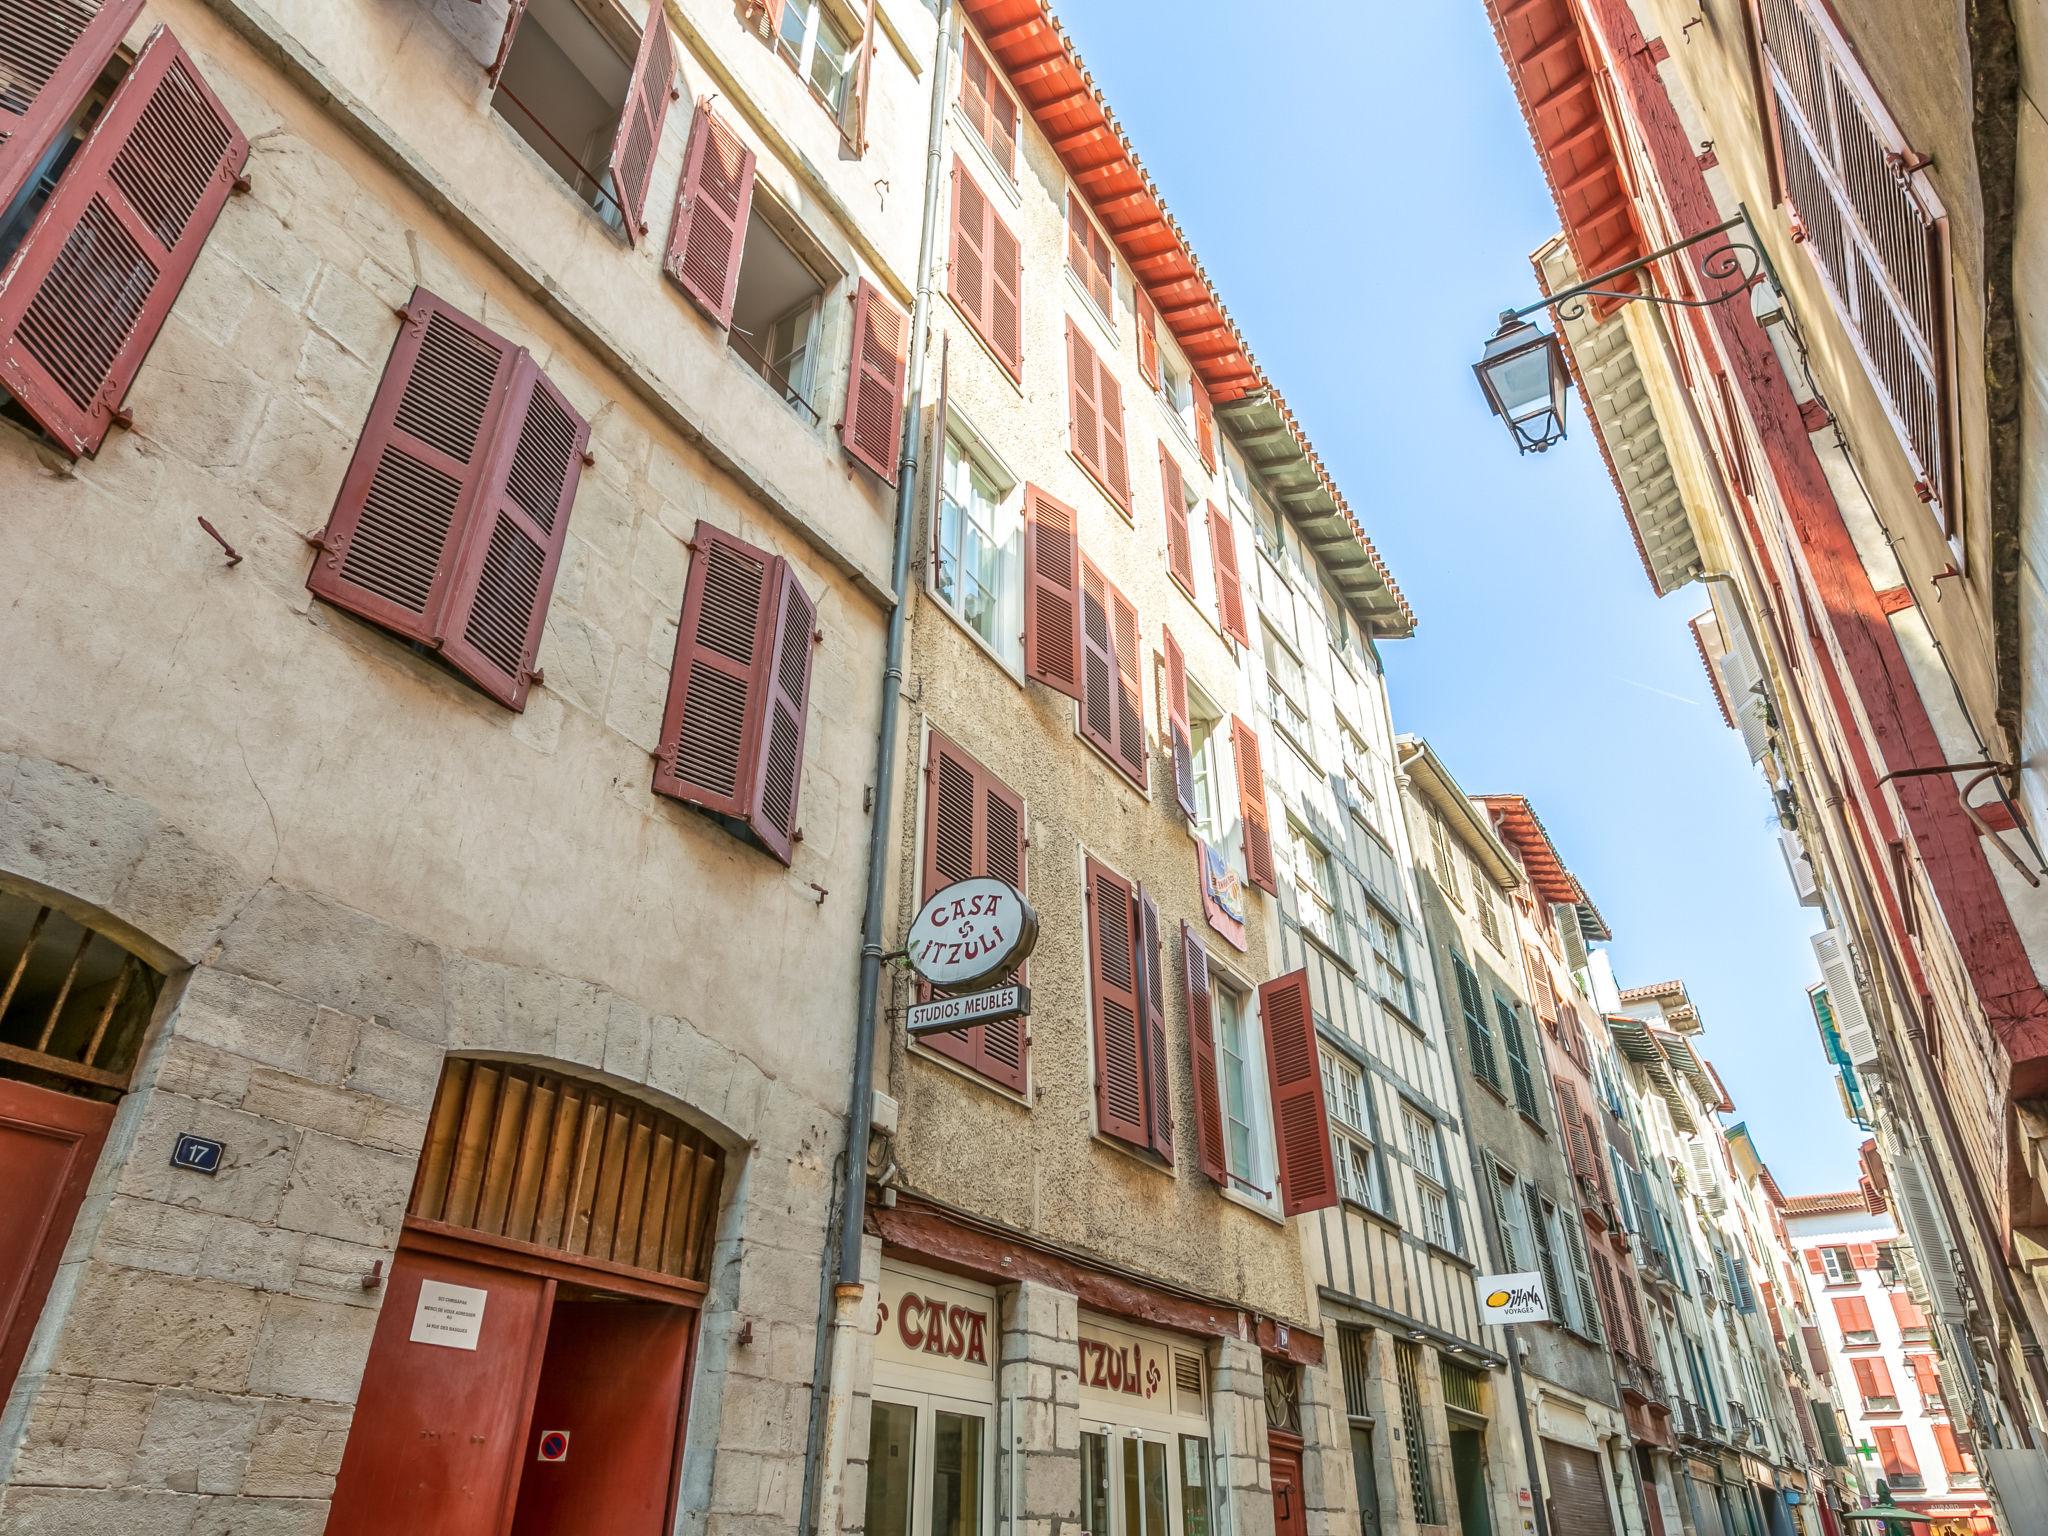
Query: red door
column 438, row 1431
column 1289, row 1518
column 48, row 1145
column 612, row 1385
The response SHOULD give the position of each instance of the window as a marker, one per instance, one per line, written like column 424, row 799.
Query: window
column 1237, row 1066
column 461, row 561
column 1315, row 891
column 819, row 42
column 1541, row 1219
column 977, row 554
column 777, row 304
column 1586, row 1315
column 588, row 102
column 1095, row 420
column 1229, row 589
column 1874, row 1384
column 1426, row 1158
column 1287, row 694
column 1088, row 258
column 1838, row 1266
column 1112, row 713
column 1389, row 960
column 1132, row 1480
column 1177, row 389
column 93, row 267
column 1511, row 1221
column 1443, row 854
column 1215, row 820
column 1478, row 1033
column 1895, row 1455
column 1352, row 1141
column 988, row 106
column 1518, row 1060
column 1852, row 1315
column 985, row 272
column 928, row 1468
column 1179, row 507
column 1488, row 897
column 1132, row 1099
column 1911, row 1320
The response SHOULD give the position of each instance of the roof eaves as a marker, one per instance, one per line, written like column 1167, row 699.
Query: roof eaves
column 1433, row 781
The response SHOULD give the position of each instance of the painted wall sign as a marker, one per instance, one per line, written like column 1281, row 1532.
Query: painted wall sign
column 201, row 1154
column 554, row 1445
column 927, row 1324
column 972, row 934
column 1222, row 895
column 945, row 1014
column 451, row 1316
column 1512, row 1299
column 1129, row 1377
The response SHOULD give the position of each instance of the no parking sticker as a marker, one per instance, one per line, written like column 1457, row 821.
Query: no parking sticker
column 554, row 1445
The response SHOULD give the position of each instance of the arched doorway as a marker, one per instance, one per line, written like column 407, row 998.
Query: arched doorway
column 532, row 1360
column 74, row 1006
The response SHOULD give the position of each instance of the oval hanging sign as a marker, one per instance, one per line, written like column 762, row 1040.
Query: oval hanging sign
column 972, row 934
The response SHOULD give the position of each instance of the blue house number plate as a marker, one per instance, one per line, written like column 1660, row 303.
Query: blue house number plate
column 197, row 1153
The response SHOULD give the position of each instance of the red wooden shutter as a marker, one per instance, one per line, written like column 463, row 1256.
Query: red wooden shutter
column 1864, row 1255
column 985, row 273
column 974, row 825
column 1814, row 1261
column 1088, row 254
column 1052, row 563
column 1574, row 1126
column 394, row 541
column 1130, row 698
column 1205, row 426
column 1148, row 336
column 1953, row 1460
column 1120, row 1091
column 1895, row 1450
column 1180, row 553
column 1179, row 730
column 989, row 109
column 1116, row 464
column 93, row 281
column 1816, row 1350
column 717, row 694
column 1084, row 412
column 1294, row 1072
column 1926, row 1376
column 1152, row 997
column 874, row 386
column 1229, row 591
column 1005, row 294
column 1251, row 799
column 50, row 56
column 1099, row 677
column 1202, row 1071
column 515, row 12
column 512, row 544
column 1852, row 1314
column 863, row 82
column 1907, row 1311
column 639, row 137
column 710, row 226
column 786, row 675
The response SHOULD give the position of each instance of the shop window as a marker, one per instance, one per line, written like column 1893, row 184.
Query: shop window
column 1137, row 1483
column 778, row 304
column 1353, row 1143
column 977, row 549
column 563, row 87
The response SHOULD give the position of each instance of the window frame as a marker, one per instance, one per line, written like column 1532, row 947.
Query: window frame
column 1105, row 316
column 1261, row 1185
column 1349, row 1137
column 1422, row 1130
column 955, row 425
column 804, row 64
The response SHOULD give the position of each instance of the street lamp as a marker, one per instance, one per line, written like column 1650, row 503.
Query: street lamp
column 1524, row 377
column 1523, row 369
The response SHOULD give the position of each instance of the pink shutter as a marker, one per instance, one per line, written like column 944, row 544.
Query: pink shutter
column 985, row 273
column 639, row 137
column 1148, row 335
column 712, row 205
column 863, row 83
column 1084, row 413
column 717, row 691
column 1229, row 589
column 512, row 547
column 1116, row 466
column 515, row 12
column 786, row 677
column 1005, row 295
column 874, row 388
column 1131, row 752
column 1005, row 1046
column 93, row 281
column 50, row 56
column 1205, row 426
column 1152, row 998
column 1120, row 1083
column 1180, row 555
column 1209, row 1142
column 1251, row 799
column 1179, row 729
column 1100, row 690
column 393, row 543
column 1294, row 1073
column 1052, row 599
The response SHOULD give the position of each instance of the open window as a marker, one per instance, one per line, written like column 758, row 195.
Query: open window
column 820, row 40
column 978, row 546
column 778, row 305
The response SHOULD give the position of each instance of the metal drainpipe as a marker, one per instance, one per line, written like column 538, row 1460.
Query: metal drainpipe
column 839, row 1305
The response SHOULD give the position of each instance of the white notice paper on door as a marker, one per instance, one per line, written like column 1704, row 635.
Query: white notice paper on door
column 449, row 1315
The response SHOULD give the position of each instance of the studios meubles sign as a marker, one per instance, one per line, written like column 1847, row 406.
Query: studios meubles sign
column 969, row 939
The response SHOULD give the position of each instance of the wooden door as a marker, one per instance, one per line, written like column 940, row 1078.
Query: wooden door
column 49, row 1143
column 1290, row 1518
column 439, row 1431
column 611, row 1382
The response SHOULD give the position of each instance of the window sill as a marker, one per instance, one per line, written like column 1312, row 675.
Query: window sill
column 1144, row 1157
column 1014, row 674
column 1452, row 1256
column 1334, row 955
column 1253, row 1204
column 1023, row 1101
column 1007, row 180
column 1490, row 1086
column 1143, row 790
column 1371, row 1213
column 1533, row 1123
column 1080, row 287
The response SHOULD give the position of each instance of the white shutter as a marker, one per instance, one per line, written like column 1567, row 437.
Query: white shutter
column 1926, row 1232
column 1845, row 998
column 1800, row 868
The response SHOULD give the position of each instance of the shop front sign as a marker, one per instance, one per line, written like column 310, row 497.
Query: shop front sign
column 1512, row 1298
column 1128, row 1377
column 925, row 1323
column 972, row 935
column 943, row 1015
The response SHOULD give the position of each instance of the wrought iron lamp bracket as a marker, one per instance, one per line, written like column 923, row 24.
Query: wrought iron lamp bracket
column 1737, row 263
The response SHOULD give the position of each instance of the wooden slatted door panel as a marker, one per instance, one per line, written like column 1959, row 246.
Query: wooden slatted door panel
column 393, row 540
column 1202, row 1069
column 1294, row 1073
column 49, row 1144
column 1251, row 800
column 1180, row 551
column 51, row 52
column 712, row 207
column 521, row 1153
column 94, row 280
column 1052, row 600
column 786, row 686
column 1578, row 1494
column 1120, row 1085
column 874, row 390
column 716, row 697
column 1152, row 1001
column 1179, row 730
column 639, row 136
column 513, row 548
column 1229, row 588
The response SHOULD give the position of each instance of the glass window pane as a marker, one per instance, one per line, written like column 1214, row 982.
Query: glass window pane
column 1131, row 1500
column 1155, row 1488
column 892, row 1443
column 1095, row 1474
column 956, row 1475
column 1194, row 1486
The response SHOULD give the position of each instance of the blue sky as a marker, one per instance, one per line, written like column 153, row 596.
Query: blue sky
column 1366, row 212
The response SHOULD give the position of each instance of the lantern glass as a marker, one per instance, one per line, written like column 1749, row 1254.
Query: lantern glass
column 1523, row 374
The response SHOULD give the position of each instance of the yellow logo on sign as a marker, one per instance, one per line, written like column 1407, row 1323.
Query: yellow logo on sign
column 1498, row 1299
